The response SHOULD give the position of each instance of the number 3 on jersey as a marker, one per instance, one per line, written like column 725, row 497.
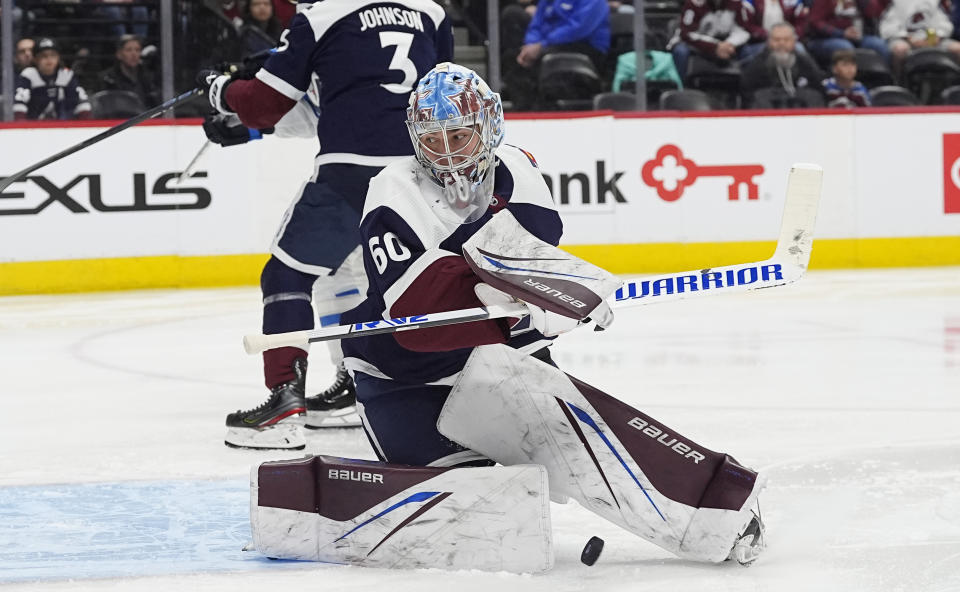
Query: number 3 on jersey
column 392, row 250
column 400, row 61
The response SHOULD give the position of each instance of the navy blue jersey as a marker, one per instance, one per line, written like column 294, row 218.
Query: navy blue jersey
column 406, row 246
column 55, row 97
column 367, row 57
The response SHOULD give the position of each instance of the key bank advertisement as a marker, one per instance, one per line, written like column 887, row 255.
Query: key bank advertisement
column 637, row 193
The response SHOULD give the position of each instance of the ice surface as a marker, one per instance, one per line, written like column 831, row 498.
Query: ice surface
column 844, row 388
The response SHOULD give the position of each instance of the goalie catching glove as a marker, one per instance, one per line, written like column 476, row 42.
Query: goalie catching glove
column 560, row 290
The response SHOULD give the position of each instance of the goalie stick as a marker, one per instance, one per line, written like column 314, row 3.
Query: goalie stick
column 788, row 264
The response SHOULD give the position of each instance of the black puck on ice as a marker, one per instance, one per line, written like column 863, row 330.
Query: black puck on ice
column 591, row 551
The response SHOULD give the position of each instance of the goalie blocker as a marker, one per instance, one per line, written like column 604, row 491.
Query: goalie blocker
column 560, row 290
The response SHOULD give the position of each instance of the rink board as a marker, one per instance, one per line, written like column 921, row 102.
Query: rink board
column 114, row 216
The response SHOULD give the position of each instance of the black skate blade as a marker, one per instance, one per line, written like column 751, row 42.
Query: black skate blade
column 238, row 447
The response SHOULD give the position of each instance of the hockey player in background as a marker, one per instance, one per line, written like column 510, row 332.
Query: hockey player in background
column 470, row 221
column 365, row 56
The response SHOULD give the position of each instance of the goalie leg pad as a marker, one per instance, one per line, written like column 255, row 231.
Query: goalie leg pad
column 375, row 514
column 614, row 460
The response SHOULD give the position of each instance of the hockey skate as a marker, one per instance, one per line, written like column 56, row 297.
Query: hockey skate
column 277, row 424
column 335, row 407
column 750, row 543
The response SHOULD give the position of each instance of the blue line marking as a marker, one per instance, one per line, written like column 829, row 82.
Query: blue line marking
column 350, row 292
column 127, row 529
column 585, row 418
column 417, row 497
column 500, row 265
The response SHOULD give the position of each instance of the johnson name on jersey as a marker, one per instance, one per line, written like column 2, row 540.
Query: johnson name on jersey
column 366, row 58
column 412, row 255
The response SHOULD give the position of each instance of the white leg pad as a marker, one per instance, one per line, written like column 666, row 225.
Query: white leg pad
column 380, row 515
column 515, row 409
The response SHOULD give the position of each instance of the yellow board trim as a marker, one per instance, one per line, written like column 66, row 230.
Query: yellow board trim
column 134, row 273
column 827, row 254
column 129, row 273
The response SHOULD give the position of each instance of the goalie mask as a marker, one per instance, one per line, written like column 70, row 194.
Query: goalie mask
column 456, row 122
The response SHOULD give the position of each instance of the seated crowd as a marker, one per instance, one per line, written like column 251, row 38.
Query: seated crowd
column 52, row 83
column 561, row 54
column 742, row 53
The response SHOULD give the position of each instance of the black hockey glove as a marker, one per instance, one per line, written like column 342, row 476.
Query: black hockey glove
column 227, row 130
column 214, row 84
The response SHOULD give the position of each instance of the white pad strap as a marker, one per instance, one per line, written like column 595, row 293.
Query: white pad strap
column 374, row 514
column 636, row 473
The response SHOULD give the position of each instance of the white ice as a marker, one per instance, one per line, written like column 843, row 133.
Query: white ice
column 844, row 388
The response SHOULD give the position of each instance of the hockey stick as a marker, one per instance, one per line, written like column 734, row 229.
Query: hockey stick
column 788, row 264
column 187, row 172
column 20, row 175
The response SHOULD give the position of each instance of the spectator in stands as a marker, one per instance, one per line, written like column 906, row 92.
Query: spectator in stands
column 581, row 26
column 261, row 28
column 284, row 11
column 128, row 72
column 122, row 15
column 842, row 89
column 708, row 28
column 779, row 66
column 233, row 11
column 48, row 91
column 913, row 24
column 23, row 56
column 844, row 24
column 758, row 16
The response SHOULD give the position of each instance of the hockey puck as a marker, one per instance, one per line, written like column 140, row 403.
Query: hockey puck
column 591, row 551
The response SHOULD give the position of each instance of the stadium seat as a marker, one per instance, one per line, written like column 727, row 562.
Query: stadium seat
column 892, row 96
column 569, row 76
column 116, row 104
column 655, row 89
column 929, row 70
column 719, row 80
column 684, row 100
column 951, row 95
column 615, row 101
column 777, row 98
column 872, row 68
column 621, row 33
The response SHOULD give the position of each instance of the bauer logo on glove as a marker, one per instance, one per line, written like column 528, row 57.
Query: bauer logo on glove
column 512, row 260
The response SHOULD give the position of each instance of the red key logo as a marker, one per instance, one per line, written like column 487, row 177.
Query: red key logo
column 951, row 173
column 670, row 173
